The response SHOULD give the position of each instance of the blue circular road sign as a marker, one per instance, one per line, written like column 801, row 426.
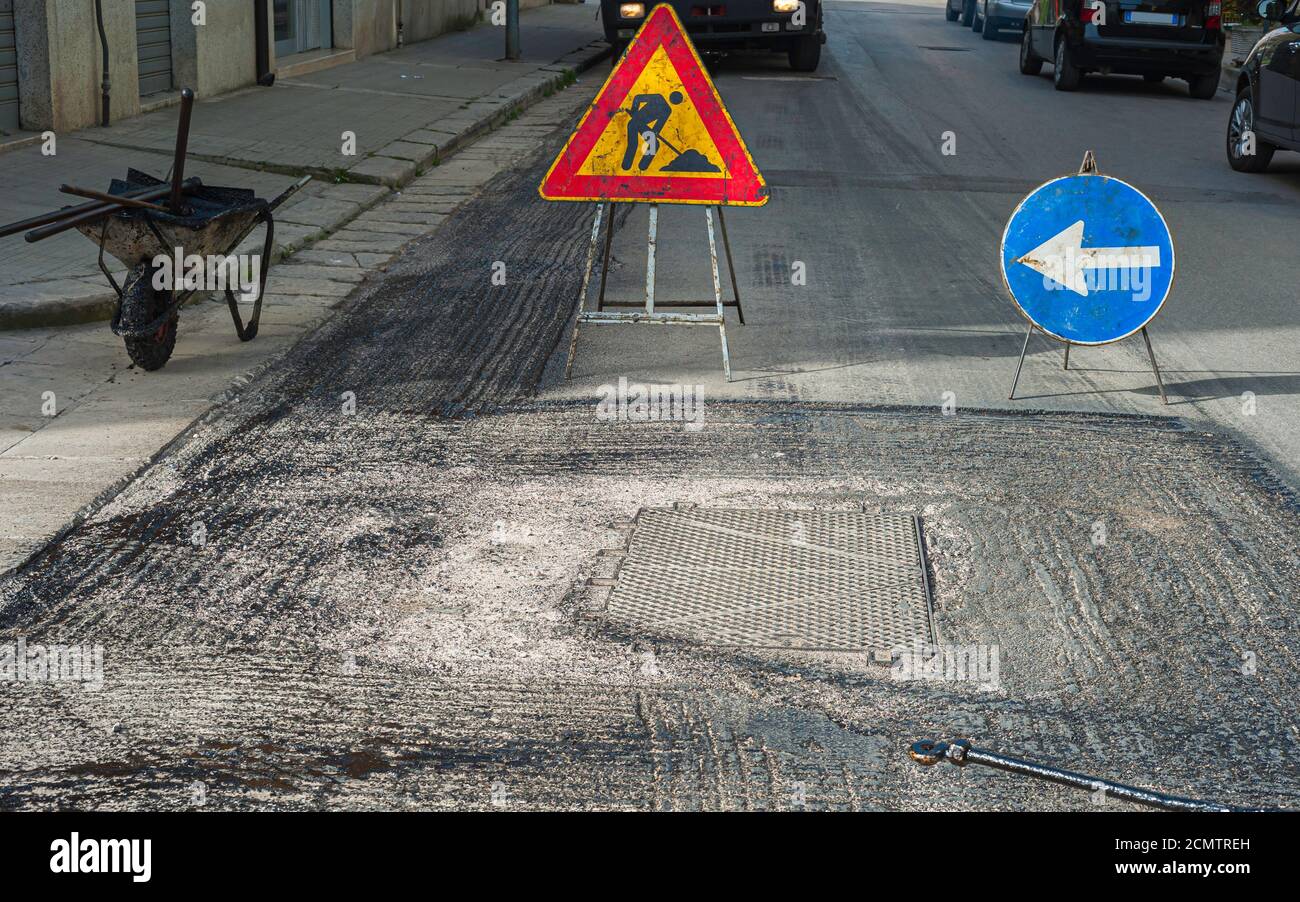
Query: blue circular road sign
column 1088, row 259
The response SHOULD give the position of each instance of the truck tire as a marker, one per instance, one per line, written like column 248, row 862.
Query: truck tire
column 806, row 53
column 949, row 13
column 968, row 13
column 1203, row 87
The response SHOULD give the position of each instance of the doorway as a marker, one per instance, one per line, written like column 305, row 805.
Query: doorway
column 301, row 25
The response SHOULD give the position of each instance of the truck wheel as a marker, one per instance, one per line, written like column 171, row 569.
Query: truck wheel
column 949, row 13
column 1030, row 63
column 1067, row 75
column 1204, row 87
column 806, row 53
column 142, row 304
column 968, row 13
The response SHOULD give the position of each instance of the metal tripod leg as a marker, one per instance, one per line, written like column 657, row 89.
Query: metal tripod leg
column 717, row 293
column 726, row 245
column 604, row 263
column 650, row 260
column 1025, row 347
column 1155, row 369
column 582, row 294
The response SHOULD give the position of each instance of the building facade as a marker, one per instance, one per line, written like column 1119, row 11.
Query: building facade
column 51, row 52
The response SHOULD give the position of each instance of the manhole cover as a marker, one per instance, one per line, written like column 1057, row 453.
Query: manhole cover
column 815, row 580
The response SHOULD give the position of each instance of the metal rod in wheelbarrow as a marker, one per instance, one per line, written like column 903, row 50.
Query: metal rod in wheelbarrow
column 97, row 212
column 113, row 198
column 182, row 145
column 23, row 225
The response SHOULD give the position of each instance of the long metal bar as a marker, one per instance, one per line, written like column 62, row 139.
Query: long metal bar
column 717, row 294
column 45, row 218
column 104, row 197
column 650, row 261
column 1154, row 368
column 1067, row 356
column 582, row 294
column 659, row 303
column 1023, row 349
column 731, row 268
column 182, row 147
column 94, row 214
column 610, row 317
column 961, row 753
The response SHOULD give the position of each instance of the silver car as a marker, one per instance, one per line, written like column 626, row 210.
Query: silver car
column 988, row 17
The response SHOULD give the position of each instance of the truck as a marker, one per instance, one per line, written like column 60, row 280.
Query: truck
column 790, row 26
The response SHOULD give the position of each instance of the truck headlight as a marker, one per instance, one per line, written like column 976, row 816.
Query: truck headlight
column 785, row 6
column 631, row 10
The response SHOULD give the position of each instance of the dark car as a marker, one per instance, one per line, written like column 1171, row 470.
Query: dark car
column 1152, row 38
column 1263, row 117
column 733, row 25
column 987, row 17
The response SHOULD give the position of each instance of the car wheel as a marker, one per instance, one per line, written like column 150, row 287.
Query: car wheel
column 1067, row 75
column 989, row 30
column 1203, row 87
column 806, row 53
column 968, row 13
column 1030, row 62
column 949, row 13
column 1241, row 124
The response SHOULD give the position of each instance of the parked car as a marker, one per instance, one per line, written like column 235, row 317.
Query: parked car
column 990, row 16
column 735, row 25
column 1265, row 109
column 1156, row 39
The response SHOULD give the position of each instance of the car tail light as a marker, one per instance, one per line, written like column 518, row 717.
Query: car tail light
column 1092, row 12
column 1213, row 11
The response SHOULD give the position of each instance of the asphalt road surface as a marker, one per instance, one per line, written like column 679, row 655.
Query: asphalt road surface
column 304, row 606
column 904, row 300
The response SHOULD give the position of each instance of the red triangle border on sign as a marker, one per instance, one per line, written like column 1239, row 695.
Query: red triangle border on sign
column 745, row 187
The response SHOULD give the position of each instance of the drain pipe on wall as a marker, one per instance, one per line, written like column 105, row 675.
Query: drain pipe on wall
column 262, row 37
column 399, row 24
column 103, row 41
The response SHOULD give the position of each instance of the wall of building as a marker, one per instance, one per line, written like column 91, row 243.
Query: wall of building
column 60, row 63
column 59, row 49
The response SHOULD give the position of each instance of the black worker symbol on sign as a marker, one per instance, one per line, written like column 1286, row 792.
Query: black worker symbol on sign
column 646, row 119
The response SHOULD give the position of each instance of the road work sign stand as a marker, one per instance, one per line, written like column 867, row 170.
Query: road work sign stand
column 657, row 133
column 1092, row 295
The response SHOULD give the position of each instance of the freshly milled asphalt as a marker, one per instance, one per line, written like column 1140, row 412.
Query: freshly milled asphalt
column 391, row 607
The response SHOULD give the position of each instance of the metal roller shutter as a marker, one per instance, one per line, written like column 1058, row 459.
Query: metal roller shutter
column 153, row 40
column 8, row 68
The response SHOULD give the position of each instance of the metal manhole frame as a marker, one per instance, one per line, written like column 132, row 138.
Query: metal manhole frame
column 631, row 526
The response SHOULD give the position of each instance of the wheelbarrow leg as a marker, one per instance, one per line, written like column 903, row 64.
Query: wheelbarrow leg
column 249, row 332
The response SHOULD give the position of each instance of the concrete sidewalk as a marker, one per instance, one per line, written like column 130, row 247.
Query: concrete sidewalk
column 77, row 420
column 408, row 109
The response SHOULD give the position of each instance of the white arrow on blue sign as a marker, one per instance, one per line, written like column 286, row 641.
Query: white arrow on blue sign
column 1088, row 259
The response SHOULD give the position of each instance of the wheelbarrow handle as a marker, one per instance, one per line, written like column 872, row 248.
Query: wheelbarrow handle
column 289, row 192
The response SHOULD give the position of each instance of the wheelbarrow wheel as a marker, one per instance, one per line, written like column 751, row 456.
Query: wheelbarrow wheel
column 142, row 303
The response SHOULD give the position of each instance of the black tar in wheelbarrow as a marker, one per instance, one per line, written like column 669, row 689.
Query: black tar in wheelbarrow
column 152, row 225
